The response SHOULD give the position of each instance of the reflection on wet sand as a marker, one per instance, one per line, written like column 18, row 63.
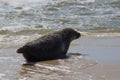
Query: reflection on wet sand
column 57, row 69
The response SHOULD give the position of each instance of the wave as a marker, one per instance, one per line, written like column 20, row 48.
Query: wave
column 21, row 28
column 101, row 35
column 16, row 39
column 7, row 41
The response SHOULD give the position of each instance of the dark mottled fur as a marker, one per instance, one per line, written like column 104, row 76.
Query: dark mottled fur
column 50, row 46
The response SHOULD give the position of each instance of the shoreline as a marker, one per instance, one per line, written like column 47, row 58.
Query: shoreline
column 105, row 51
column 99, row 49
column 99, row 61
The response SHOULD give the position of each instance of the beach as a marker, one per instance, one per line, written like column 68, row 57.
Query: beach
column 94, row 56
column 99, row 60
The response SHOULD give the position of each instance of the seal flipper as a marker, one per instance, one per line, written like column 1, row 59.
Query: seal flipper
column 28, row 63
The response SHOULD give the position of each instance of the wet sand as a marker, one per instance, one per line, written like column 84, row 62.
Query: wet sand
column 106, row 53
column 99, row 61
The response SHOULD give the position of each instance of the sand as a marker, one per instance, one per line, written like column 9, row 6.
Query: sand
column 106, row 53
column 99, row 61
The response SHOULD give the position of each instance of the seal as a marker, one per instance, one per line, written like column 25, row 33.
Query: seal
column 50, row 46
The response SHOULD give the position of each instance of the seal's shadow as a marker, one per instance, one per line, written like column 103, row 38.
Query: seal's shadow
column 69, row 55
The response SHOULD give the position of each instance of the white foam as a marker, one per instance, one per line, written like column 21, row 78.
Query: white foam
column 27, row 2
column 87, row 1
column 17, row 28
column 23, row 78
column 13, row 41
column 90, row 0
column 100, row 34
column 53, row 68
column 1, row 75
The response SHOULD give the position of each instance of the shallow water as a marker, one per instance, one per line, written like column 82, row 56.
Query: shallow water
column 62, row 69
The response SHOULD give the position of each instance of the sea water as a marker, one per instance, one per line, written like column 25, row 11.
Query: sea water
column 23, row 20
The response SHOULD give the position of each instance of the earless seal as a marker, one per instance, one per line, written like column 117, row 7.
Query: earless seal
column 51, row 46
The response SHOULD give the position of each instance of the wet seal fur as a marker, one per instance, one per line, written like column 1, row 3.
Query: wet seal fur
column 51, row 46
